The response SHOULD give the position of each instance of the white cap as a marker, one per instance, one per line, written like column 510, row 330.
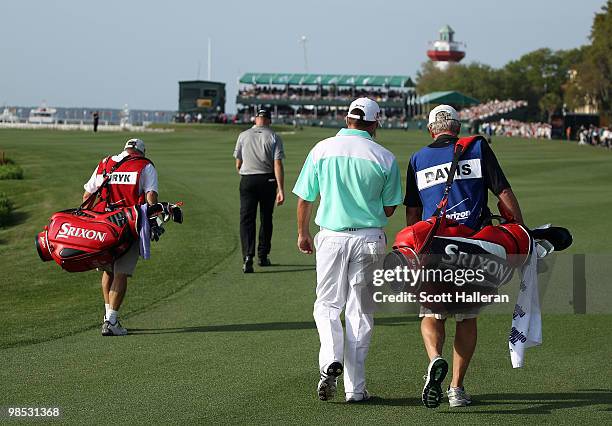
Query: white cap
column 371, row 110
column 449, row 110
column 135, row 144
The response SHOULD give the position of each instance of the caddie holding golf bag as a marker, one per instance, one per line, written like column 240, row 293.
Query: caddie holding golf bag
column 114, row 225
column 132, row 183
column 474, row 170
column 450, row 228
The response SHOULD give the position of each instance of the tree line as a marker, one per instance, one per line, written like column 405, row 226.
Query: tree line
column 549, row 80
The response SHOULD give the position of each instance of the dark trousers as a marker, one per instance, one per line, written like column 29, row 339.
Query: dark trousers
column 256, row 190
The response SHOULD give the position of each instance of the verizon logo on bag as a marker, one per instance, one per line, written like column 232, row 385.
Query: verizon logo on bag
column 123, row 178
column 67, row 231
column 466, row 169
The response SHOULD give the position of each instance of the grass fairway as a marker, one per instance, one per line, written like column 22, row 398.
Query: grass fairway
column 208, row 344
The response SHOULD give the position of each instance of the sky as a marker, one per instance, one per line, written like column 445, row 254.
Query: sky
column 109, row 53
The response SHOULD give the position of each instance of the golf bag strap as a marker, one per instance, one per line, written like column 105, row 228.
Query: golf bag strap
column 88, row 203
column 460, row 147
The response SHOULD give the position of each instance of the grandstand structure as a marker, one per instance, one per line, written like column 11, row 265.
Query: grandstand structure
column 322, row 99
column 450, row 97
column 201, row 97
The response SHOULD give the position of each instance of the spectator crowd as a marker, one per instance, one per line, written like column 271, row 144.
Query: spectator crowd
column 593, row 135
column 490, row 109
column 320, row 93
column 505, row 127
column 586, row 135
column 186, row 117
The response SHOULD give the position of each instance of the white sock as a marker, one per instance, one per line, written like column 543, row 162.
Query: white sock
column 106, row 309
column 112, row 316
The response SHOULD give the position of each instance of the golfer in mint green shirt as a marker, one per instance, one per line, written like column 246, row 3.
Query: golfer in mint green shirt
column 359, row 186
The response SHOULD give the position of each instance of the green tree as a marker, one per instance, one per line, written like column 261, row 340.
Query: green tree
column 544, row 78
column 593, row 74
column 539, row 77
column 476, row 80
column 535, row 75
column 480, row 81
column 550, row 103
column 431, row 79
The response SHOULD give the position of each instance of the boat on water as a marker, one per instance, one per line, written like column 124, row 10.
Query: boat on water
column 42, row 115
column 8, row 116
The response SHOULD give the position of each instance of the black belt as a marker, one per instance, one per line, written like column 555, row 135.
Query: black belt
column 349, row 229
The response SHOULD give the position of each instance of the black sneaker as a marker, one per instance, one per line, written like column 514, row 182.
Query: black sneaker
column 247, row 267
column 326, row 389
column 432, row 391
column 264, row 261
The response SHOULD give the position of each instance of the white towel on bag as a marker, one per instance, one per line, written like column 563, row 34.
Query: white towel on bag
column 145, row 233
column 526, row 328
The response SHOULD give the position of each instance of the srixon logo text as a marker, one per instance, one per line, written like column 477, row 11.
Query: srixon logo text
column 500, row 271
column 67, row 231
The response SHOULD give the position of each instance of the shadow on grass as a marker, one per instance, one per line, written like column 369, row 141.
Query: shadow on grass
column 280, row 271
column 539, row 403
column 390, row 402
column 15, row 218
column 288, row 265
column 265, row 326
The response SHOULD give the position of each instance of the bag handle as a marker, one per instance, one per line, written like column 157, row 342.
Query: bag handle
column 88, row 203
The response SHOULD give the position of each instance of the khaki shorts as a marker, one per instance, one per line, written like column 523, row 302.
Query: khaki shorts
column 126, row 263
column 468, row 314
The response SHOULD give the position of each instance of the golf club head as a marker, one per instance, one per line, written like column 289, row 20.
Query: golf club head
column 177, row 214
column 167, row 211
column 559, row 237
column 155, row 209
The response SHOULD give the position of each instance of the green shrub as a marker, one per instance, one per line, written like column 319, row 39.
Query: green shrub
column 6, row 206
column 10, row 171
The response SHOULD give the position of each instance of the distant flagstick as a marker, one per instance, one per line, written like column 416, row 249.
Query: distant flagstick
column 209, row 64
column 303, row 41
column 209, row 59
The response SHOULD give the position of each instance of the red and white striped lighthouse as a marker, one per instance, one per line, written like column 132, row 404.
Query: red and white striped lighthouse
column 446, row 50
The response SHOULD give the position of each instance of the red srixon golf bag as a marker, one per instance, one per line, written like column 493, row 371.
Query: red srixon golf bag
column 82, row 239
column 85, row 238
column 510, row 241
column 79, row 240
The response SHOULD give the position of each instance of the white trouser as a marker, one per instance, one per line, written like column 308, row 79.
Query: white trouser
column 342, row 258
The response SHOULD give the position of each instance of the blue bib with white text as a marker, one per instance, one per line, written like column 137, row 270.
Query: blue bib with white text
column 467, row 197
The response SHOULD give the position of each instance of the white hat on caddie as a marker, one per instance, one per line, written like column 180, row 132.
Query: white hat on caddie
column 451, row 113
column 136, row 144
column 371, row 110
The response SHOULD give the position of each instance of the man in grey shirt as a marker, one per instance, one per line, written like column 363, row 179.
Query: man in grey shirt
column 259, row 158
